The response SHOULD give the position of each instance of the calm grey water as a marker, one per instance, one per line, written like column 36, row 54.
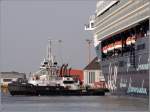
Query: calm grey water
column 72, row 104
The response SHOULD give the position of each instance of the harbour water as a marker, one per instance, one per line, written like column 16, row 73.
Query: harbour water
column 72, row 103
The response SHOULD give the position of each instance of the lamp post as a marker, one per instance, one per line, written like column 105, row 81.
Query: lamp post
column 50, row 48
column 89, row 49
column 60, row 51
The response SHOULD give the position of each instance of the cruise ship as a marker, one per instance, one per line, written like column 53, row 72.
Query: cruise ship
column 121, row 38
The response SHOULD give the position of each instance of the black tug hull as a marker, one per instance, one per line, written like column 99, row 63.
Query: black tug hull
column 31, row 90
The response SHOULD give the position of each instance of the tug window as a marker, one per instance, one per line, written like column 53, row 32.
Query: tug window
column 68, row 82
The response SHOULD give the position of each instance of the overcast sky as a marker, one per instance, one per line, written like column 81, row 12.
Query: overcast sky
column 25, row 27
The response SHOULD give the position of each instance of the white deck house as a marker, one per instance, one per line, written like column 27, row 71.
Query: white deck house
column 92, row 72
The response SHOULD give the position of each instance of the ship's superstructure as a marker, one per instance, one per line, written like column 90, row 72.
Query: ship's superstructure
column 48, row 72
column 121, row 37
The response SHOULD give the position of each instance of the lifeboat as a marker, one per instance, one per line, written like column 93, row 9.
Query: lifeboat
column 104, row 49
column 129, row 41
column 110, row 47
column 133, row 39
column 118, row 44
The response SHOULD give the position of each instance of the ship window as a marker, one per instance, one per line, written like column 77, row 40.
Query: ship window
column 92, row 25
column 141, row 46
column 68, row 82
column 45, row 63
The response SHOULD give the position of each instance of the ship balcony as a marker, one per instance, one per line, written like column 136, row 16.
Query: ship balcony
column 102, row 6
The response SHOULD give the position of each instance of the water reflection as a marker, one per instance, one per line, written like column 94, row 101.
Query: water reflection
column 4, row 91
column 71, row 103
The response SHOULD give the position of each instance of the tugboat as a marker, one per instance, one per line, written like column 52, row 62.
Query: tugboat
column 51, row 80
